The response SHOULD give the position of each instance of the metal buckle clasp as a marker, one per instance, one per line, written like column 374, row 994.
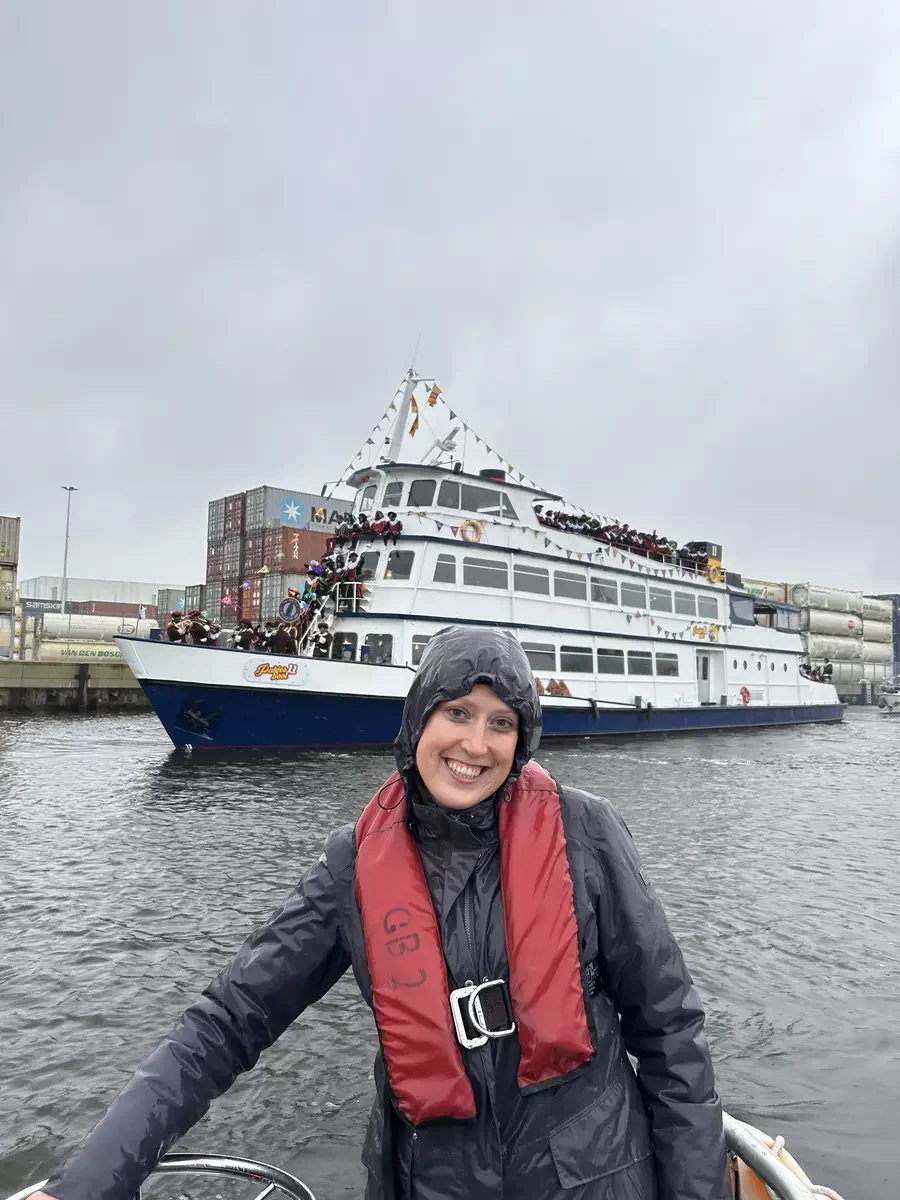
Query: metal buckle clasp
column 466, row 1002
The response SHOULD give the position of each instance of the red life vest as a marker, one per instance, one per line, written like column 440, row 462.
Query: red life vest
column 410, row 991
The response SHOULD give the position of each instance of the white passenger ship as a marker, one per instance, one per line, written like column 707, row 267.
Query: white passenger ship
column 620, row 642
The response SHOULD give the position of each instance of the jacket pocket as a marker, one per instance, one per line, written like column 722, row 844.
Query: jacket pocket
column 603, row 1140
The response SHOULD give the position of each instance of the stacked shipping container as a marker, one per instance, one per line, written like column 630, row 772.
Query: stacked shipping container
column 195, row 597
column 258, row 545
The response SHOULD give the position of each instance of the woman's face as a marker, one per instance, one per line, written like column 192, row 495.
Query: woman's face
column 467, row 748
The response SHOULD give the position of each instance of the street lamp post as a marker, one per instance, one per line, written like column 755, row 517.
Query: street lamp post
column 69, row 489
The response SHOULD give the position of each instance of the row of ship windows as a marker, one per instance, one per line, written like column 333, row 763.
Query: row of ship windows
column 543, row 656
column 460, row 497
column 571, row 585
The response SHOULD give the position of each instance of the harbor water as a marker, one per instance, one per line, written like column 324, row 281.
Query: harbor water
column 128, row 876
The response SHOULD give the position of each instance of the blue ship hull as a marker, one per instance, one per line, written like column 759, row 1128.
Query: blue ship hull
column 250, row 718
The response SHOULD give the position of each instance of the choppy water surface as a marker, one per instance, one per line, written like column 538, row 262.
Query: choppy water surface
column 127, row 879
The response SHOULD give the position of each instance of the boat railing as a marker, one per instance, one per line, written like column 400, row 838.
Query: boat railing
column 766, row 1158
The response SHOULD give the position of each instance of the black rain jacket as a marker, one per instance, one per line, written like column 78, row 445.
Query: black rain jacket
column 610, row 1132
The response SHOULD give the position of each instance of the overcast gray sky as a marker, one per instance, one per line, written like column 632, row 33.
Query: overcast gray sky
column 652, row 252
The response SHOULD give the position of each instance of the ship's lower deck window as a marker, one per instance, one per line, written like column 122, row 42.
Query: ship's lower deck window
column 610, row 662
column 377, row 648
column 486, row 572
column 634, row 595
column 368, row 564
column 527, row 578
column 604, row 591
column 541, row 655
column 399, row 564
column 419, row 642
column 344, row 646
column 567, row 583
column 707, row 606
column 686, row 604
column 576, row 658
column 445, row 569
column 640, row 662
column 667, row 664
column 660, row 599
column 368, row 497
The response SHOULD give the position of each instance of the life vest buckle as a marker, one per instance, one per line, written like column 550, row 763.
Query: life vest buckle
column 482, row 1011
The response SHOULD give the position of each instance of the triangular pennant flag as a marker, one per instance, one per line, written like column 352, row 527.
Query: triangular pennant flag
column 392, row 407
column 414, row 428
column 433, row 395
column 452, row 415
column 579, row 556
column 454, row 529
column 614, row 554
column 369, row 442
column 413, row 405
column 465, row 427
column 440, row 524
column 568, row 554
column 546, row 542
column 659, row 629
column 631, row 562
column 628, row 618
column 667, row 633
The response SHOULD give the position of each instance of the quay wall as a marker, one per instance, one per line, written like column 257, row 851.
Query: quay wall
column 68, row 687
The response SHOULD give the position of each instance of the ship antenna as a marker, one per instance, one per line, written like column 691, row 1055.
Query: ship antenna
column 416, row 351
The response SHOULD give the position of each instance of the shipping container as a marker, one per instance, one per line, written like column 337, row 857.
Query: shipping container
column 766, row 589
column 10, row 528
column 195, row 596
column 252, row 552
column 290, row 550
column 214, row 600
column 77, row 652
column 809, row 595
column 275, row 589
column 169, row 600
column 109, row 608
column 234, row 515
column 215, row 559
column 231, row 558
column 215, row 523
column 231, row 599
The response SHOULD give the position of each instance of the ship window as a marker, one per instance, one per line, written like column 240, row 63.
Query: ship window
column 634, row 595
column 445, row 569
column 576, row 658
column 604, row 591
column 640, row 662
column 527, row 578
column 421, row 493
column 541, row 655
column 508, row 511
column 759, row 665
column 448, row 496
column 771, row 666
column 377, row 648
column 480, row 500
column 785, row 666
column 344, row 646
column 708, row 606
column 566, row 583
column 368, row 564
column 660, row 599
column 486, row 572
column 419, row 642
column 610, row 662
column 667, row 664
column 392, row 494
column 399, row 564
column 686, row 604
column 368, row 497
column 745, row 664
column 734, row 664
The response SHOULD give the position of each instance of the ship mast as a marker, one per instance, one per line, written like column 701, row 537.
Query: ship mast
column 412, row 382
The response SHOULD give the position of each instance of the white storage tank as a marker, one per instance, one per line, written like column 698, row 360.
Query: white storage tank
column 877, row 631
column 810, row 595
column 841, row 649
column 86, row 628
column 877, row 652
column 78, row 652
column 833, row 624
column 766, row 589
column 878, row 610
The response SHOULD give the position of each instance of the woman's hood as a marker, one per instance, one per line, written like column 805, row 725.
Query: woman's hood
column 454, row 661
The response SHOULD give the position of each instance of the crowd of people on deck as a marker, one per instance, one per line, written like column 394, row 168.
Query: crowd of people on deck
column 337, row 566
column 821, row 674
column 692, row 555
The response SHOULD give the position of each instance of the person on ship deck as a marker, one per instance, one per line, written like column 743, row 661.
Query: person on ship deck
column 469, row 863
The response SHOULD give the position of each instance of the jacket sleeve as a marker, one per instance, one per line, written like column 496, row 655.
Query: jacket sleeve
column 662, row 1023
column 288, row 964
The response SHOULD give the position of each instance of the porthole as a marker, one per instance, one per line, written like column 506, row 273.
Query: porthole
column 771, row 666
column 785, row 666
column 745, row 664
column 759, row 665
column 734, row 664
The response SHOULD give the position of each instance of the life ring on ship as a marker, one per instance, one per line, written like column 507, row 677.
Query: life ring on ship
column 745, row 694
column 714, row 574
column 470, row 531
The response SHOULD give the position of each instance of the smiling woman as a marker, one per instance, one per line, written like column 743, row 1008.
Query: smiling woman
column 513, row 954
